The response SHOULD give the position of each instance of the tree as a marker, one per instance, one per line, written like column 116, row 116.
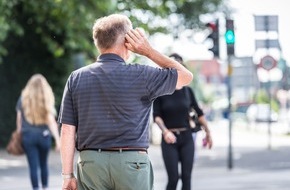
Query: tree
column 65, row 25
column 171, row 16
column 43, row 36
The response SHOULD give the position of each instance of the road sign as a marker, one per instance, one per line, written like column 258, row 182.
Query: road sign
column 266, row 23
column 268, row 62
column 268, row 43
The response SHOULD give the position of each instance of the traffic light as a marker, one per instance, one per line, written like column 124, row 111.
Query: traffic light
column 230, row 37
column 214, row 36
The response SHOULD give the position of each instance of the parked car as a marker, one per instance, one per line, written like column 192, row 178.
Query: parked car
column 261, row 113
column 240, row 111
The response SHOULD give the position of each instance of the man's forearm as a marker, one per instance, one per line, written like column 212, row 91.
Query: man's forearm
column 67, row 148
column 164, row 61
column 184, row 75
column 137, row 42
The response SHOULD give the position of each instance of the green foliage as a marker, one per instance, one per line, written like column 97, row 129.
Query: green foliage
column 44, row 36
column 62, row 25
column 65, row 25
column 171, row 16
column 262, row 97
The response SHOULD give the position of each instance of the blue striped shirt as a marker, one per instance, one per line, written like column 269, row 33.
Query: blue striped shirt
column 109, row 102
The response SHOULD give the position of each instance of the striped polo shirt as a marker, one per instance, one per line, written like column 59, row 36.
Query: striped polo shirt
column 110, row 102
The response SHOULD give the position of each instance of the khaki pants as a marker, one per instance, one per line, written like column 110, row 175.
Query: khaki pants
column 105, row 170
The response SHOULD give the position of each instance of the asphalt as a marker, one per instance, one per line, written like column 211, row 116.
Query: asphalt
column 257, row 163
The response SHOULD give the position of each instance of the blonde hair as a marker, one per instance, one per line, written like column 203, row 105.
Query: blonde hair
column 37, row 100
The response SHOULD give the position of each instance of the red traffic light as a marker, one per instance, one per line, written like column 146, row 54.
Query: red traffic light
column 214, row 37
column 212, row 26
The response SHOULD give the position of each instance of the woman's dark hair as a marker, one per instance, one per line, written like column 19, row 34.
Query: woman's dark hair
column 177, row 57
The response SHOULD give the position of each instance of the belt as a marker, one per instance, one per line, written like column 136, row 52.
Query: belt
column 178, row 130
column 121, row 149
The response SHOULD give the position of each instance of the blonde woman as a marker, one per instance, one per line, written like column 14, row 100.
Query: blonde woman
column 36, row 122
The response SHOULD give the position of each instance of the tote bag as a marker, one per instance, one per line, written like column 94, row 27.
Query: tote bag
column 14, row 145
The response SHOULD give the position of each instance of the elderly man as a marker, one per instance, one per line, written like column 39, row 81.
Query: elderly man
column 106, row 108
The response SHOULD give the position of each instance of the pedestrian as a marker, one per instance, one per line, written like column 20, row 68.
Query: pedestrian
column 171, row 114
column 106, row 108
column 36, row 122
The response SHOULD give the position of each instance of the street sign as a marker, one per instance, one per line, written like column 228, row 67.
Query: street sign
column 267, row 44
column 268, row 62
column 266, row 23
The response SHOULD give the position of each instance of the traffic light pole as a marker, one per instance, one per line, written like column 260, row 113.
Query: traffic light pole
column 230, row 41
column 230, row 151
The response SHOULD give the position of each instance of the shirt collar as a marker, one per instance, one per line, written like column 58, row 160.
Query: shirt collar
column 110, row 57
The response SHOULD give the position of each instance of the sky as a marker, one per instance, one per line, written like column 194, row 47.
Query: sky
column 245, row 27
column 243, row 16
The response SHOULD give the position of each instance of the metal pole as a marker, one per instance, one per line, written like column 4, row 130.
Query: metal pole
column 270, row 114
column 230, row 151
column 269, row 90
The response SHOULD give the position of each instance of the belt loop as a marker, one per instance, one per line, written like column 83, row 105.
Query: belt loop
column 120, row 150
column 99, row 150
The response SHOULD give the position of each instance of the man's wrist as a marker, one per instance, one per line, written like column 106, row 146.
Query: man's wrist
column 67, row 175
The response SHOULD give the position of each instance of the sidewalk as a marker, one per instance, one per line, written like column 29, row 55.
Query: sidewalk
column 254, row 166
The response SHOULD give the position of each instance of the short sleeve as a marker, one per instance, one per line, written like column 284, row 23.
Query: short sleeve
column 160, row 82
column 66, row 112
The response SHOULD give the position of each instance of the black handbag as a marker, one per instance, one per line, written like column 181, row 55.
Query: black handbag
column 194, row 124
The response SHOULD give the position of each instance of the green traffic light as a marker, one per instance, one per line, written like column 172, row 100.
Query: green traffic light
column 230, row 37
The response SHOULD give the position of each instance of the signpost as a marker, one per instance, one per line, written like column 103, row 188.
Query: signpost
column 267, row 23
column 268, row 62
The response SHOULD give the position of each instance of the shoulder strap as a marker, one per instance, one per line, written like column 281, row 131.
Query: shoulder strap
column 188, row 96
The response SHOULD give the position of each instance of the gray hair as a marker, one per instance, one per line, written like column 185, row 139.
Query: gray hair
column 110, row 30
